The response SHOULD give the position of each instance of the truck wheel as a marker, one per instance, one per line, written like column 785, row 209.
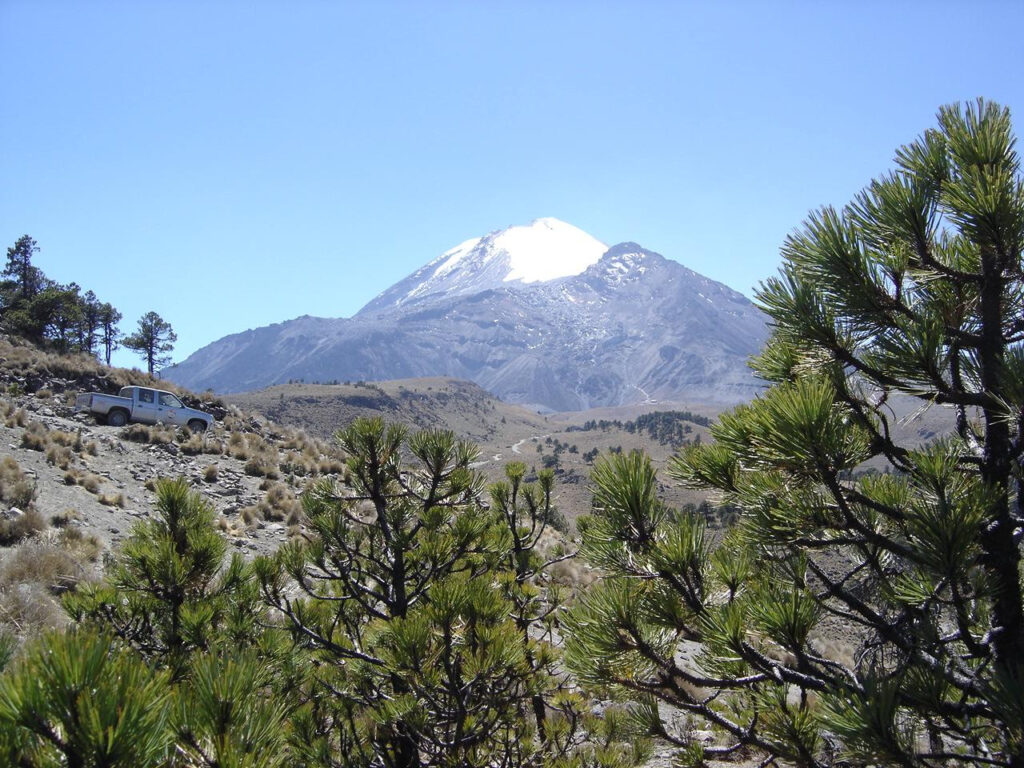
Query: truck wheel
column 117, row 418
column 197, row 425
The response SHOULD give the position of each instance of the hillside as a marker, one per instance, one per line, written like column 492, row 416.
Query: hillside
column 81, row 485
column 503, row 432
column 73, row 489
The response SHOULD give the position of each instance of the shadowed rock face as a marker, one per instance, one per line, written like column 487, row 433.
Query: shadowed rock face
column 633, row 326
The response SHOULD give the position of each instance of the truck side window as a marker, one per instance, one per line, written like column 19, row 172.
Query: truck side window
column 145, row 395
column 169, row 400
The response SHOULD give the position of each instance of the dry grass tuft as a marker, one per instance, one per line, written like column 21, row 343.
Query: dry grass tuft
column 91, row 483
column 263, row 465
column 34, row 437
column 112, row 499
column 65, row 439
column 13, row 415
column 280, row 503
column 20, row 527
column 57, row 444
column 157, row 434
column 249, row 515
column 85, row 548
column 65, row 518
column 47, row 561
column 59, row 456
column 26, row 362
column 192, row 445
column 15, row 487
column 39, row 570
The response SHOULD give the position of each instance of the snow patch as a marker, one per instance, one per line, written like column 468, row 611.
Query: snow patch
column 547, row 249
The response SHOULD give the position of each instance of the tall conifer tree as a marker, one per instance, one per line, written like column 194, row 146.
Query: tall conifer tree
column 868, row 612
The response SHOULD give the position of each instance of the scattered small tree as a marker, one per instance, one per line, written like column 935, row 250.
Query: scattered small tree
column 170, row 594
column 153, row 341
column 173, row 600
column 89, row 324
column 24, row 280
column 45, row 312
column 416, row 627
column 110, row 334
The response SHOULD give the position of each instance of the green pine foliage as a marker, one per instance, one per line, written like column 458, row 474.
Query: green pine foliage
column 170, row 593
column 232, row 713
column 397, row 600
column 153, row 340
column 49, row 313
column 851, row 618
column 76, row 699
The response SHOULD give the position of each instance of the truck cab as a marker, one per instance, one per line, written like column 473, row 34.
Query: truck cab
column 152, row 405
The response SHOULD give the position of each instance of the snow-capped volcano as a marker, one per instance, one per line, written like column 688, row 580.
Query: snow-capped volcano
column 542, row 314
column 543, row 250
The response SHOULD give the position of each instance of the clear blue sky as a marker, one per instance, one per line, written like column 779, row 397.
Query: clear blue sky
column 232, row 165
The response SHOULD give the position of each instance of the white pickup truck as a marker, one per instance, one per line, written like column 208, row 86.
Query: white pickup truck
column 149, row 406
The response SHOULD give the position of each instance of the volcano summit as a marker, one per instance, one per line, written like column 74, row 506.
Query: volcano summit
column 543, row 314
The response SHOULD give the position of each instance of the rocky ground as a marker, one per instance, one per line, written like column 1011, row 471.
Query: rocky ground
column 104, row 487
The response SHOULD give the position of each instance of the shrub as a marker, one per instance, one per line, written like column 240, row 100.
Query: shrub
column 15, row 487
column 157, row 434
column 59, row 456
column 262, row 465
column 34, row 437
column 19, row 527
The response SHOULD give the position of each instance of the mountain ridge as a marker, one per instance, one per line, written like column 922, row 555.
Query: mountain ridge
column 629, row 326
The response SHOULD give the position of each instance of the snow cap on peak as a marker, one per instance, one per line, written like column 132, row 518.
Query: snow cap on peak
column 546, row 249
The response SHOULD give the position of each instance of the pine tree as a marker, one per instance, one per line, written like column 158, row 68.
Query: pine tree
column 418, row 660
column 172, row 598
column 24, row 280
column 170, row 594
column 153, row 341
column 523, row 511
column 64, row 313
column 110, row 335
column 89, row 325
column 912, row 291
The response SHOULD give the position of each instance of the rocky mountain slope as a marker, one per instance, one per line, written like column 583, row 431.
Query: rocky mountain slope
column 541, row 315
